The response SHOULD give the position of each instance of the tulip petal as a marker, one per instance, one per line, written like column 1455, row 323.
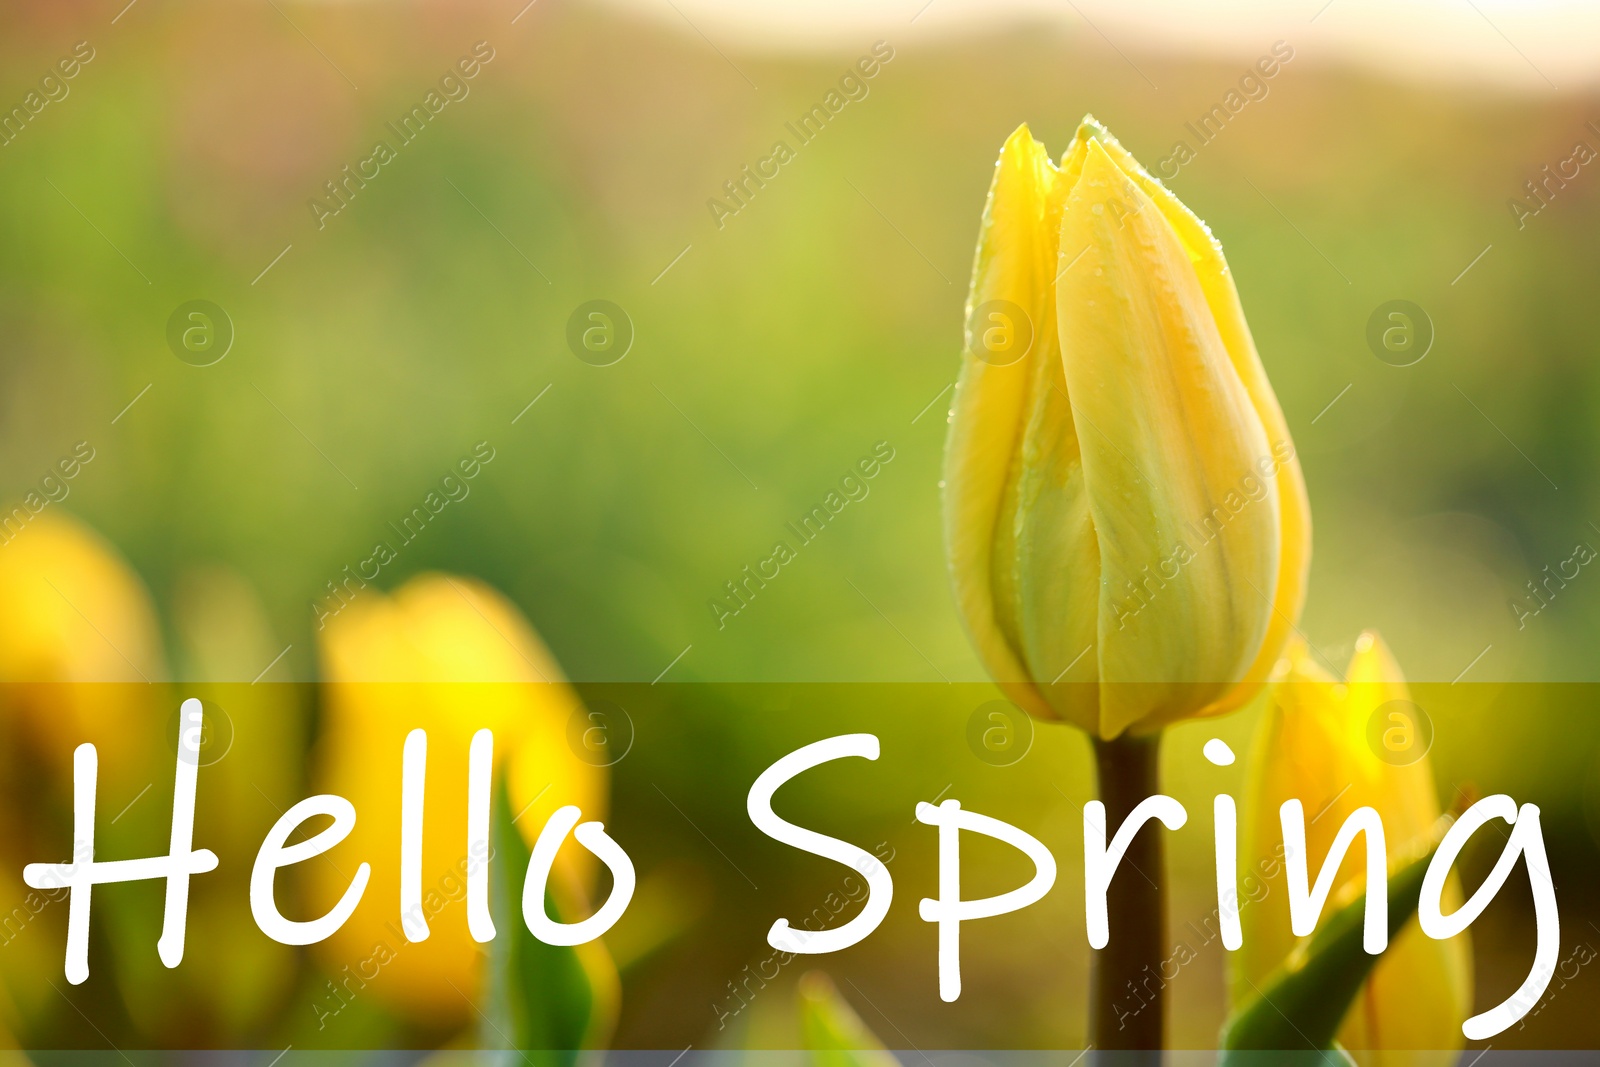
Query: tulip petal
column 1431, row 975
column 1168, row 435
column 1315, row 744
column 1222, row 296
column 76, row 612
column 1014, row 262
column 1166, row 482
column 1296, row 754
column 1052, row 551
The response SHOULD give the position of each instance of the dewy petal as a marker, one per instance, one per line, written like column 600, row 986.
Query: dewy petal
column 1432, row 977
column 1216, row 282
column 1169, row 437
column 1014, row 263
column 1421, row 988
column 1054, row 588
column 1376, row 688
column 1296, row 753
column 1315, row 744
column 1048, row 604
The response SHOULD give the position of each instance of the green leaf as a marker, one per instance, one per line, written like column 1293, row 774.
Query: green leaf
column 1298, row 1009
column 546, row 1002
column 833, row 1032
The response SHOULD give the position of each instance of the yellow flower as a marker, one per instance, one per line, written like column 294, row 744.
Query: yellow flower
column 1318, row 742
column 74, row 613
column 451, row 656
column 79, row 646
column 1118, row 475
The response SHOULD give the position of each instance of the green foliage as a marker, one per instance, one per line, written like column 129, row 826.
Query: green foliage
column 1296, row 1015
column 831, row 1030
column 541, row 1001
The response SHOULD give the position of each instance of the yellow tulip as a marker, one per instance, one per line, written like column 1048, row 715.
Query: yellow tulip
column 79, row 646
column 1317, row 743
column 451, row 656
column 75, row 613
column 1118, row 475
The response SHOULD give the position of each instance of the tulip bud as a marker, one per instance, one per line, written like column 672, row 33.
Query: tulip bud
column 1122, row 501
column 1316, row 743
column 450, row 656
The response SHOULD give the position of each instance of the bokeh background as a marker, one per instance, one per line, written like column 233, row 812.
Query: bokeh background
column 375, row 348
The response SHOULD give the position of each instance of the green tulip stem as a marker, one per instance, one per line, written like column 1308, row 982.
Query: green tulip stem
column 1127, row 1004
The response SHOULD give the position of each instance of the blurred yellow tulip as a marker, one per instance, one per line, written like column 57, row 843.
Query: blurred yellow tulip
column 1118, row 475
column 75, row 613
column 78, row 650
column 1319, row 742
column 451, row 656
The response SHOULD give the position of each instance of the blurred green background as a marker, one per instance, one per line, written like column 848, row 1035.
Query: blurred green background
column 772, row 352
